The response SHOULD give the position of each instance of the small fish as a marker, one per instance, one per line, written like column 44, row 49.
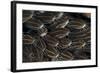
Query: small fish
column 34, row 24
column 60, row 33
column 27, row 15
column 42, row 32
column 59, row 15
column 45, row 17
column 80, row 31
column 76, row 24
column 51, row 52
column 28, row 39
column 78, row 44
column 40, row 44
column 60, row 23
column 31, row 54
column 65, row 56
column 82, row 55
column 51, row 41
column 64, row 43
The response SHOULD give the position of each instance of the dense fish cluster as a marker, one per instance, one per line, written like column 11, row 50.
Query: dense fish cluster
column 56, row 36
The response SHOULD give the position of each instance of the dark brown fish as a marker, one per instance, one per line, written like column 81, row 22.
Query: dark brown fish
column 60, row 33
column 28, row 39
column 82, row 54
column 64, row 43
column 80, row 31
column 42, row 32
column 51, row 52
column 27, row 15
column 78, row 44
column 51, row 41
column 65, row 56
column 45, row 17
column 34, row 24
column 77, row 24
column 60, row 23
column 31, row 54
column 40, row 44
column 59, row 15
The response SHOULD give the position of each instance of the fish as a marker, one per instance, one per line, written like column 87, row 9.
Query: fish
column 27, row 15
column 60, row 33
column 77, row 24
column 51, row 41
column 64, row 56
column 60, row 23
column 64, row 43
column 28, row 39
column 34, row 24
column 51, row 52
